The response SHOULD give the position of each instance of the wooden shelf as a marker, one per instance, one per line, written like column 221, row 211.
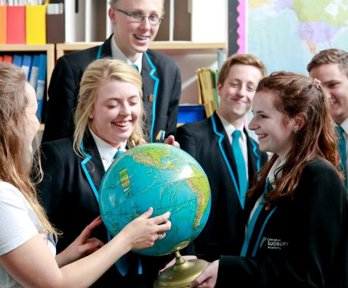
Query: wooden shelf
column 171, row 48
column 46, row 48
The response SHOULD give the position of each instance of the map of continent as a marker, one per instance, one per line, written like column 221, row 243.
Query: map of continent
column 285, row 34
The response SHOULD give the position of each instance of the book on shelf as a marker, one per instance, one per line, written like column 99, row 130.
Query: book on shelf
column 207, row 90
column 15, row 24
column 41, row 85
column 7, row 58
column 17, row 60
column 26, row 64
column 2, row 24
column 34, row 73
column 35, row 24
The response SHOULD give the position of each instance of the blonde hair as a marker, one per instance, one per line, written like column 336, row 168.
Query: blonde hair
column 96, row 74
column 15, row 157
column 245, row 59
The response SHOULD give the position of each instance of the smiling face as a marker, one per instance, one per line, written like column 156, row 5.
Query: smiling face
column 273, row 128
column 237, row 92
column 335, row 83
column 116, row 111
column 133, row 38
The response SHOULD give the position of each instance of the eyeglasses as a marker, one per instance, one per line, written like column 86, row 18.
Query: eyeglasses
column 137, row 17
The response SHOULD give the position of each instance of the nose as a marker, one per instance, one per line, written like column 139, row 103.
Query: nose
column 242, row 91
column 125, row 109
column 253, row 124
column 145, row 24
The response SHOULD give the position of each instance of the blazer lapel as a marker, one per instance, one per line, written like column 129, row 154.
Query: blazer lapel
column 254, row 158
column 92, row 165
column 226, row 153
column 150, row 89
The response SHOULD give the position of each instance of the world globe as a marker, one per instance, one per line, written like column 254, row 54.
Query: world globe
column 163, row 177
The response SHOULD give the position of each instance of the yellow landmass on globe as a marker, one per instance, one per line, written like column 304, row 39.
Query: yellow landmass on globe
column 201, row 186
column 153, row 157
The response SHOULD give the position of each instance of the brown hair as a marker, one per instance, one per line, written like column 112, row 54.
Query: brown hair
column 96, row 74
column 297, row 94
column 15, row 157
column 245, row 59
column 330, row 56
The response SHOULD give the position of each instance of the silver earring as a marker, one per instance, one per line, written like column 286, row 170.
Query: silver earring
column 295, row 131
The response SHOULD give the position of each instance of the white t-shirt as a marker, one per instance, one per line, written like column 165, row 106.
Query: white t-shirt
column 18, row 224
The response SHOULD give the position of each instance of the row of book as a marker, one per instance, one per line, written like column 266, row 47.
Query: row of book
column 207, row 90
column 32, row 24
column 35, row 67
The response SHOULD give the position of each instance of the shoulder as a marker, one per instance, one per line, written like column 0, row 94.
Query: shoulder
column 9, row 192
column 60, row 146
column 194, row 128
column 320, row 176
column 17, row 221
column 160, row 59
column 78, row 59
column 320, row 166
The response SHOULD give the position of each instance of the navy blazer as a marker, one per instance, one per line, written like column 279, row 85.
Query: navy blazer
column 67, row 193
column 208, row 143
column 298, row 242
column 161, row 91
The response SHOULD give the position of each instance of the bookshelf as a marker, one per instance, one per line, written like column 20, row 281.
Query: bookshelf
column 199, row 21
column 167, row 47
column 49, row 49
column 189, row 56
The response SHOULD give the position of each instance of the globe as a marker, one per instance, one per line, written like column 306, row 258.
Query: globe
column 163, row 177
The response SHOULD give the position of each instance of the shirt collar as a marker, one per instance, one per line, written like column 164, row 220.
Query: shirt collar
column 118, row 54
column 106, row 151
column 271, row 174
column 229, row 128
column 344, row 125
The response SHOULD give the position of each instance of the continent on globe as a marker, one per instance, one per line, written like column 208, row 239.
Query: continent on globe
column 163, row 177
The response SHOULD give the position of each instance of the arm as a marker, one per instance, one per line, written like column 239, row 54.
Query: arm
column 82, row 246
column 175, row 93
column 51, row 188
column 63, row 89
column 32, row 265
column 186, row 139
column 316, row 219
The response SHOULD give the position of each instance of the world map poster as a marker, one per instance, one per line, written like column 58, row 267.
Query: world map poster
column 285, row 34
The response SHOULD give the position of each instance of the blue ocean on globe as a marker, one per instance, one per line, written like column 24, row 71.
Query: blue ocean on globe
column 163, row 177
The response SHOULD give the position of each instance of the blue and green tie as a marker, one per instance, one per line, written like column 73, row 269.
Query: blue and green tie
column 343, row 152
column 240, row 165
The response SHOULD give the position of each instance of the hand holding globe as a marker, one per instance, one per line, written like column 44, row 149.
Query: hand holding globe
column 165, row 178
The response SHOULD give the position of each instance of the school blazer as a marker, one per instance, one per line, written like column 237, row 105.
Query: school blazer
column 67, row 193
column 161, row 91
column 298, row 242
column 208, row 143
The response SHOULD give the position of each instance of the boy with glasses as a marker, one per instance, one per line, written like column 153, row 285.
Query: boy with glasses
column 135, row 25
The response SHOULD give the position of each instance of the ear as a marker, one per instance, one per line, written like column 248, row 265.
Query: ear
column 299, row 121
column 219, row 86
column 112, row 15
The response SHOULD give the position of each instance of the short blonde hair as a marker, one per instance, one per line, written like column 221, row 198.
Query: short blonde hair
column 245, row 59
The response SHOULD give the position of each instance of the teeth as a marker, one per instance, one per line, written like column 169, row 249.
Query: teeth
column 140, row 37
column 123, row 124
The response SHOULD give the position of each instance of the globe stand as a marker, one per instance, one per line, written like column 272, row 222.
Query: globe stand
column 181, row 274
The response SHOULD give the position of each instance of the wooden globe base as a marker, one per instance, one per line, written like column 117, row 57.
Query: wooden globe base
column 181, row 274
